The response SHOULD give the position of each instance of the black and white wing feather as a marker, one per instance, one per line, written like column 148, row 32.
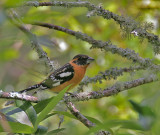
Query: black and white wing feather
column 61, row 75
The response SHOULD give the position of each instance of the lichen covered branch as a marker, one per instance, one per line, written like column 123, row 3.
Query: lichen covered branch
column 16, row 95
column 107, row 46
column 126, row 23
column 109, row 74
column 79, row 116
column 33, row 39
column 115, row 89
column 83, row 119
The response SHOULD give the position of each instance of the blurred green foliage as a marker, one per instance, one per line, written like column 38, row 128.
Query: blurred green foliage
column 20, row 66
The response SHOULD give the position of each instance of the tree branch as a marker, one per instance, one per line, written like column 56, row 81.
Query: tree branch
column 126, row 23
column 78, row 115
column 82, row 118
column 115, row 89
column 107, row 46
column 41, row 53
column 112, row 73
column 16, row 95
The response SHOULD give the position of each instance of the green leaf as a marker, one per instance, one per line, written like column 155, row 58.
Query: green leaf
column 10, row 110
column 61, row 113
column 41, row 130
column 21, row 106
column 146, row 115
column 93, row 120
column 129, row 124
column 29, row 110
column 31, row 113
column 55, row 131
column 41, row 105
column 50, row 106
column 7, row 118
column 73, row 117
column 141, row 109
column 49, row 115
column 16, row 127
column 65, row 114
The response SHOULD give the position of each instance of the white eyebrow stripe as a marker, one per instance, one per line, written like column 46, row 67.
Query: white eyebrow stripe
column 65, row 74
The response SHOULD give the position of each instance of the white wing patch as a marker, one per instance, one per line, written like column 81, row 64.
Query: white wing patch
column 43, row 87
column 65, row 74
column 52, row 77
column 56, row 84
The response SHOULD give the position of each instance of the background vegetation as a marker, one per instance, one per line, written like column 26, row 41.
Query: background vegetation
column 20, row 66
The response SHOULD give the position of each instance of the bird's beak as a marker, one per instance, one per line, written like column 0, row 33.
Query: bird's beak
column 89, row 60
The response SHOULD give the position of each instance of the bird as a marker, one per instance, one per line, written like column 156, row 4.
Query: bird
column 70, row 74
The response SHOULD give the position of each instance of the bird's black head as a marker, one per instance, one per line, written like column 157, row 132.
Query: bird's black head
column 81, row 59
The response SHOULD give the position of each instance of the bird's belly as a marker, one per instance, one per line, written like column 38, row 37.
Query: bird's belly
column 73, row 82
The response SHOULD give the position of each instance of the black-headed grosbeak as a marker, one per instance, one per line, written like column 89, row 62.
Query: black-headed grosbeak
column 70, row 74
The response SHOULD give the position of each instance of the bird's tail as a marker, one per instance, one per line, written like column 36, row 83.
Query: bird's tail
column 30, row 88
column 24, row 91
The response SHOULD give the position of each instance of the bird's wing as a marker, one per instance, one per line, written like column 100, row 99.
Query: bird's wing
column 59, row 76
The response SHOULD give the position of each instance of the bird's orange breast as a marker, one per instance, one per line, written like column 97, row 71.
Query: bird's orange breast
column 79, row 72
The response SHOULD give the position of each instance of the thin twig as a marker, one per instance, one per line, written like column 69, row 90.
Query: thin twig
column 41, row 53
column 83, row 119
column 109, row 74
column 113, row 90
column 107, row 46
column 126, row 23
column 79, row 116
